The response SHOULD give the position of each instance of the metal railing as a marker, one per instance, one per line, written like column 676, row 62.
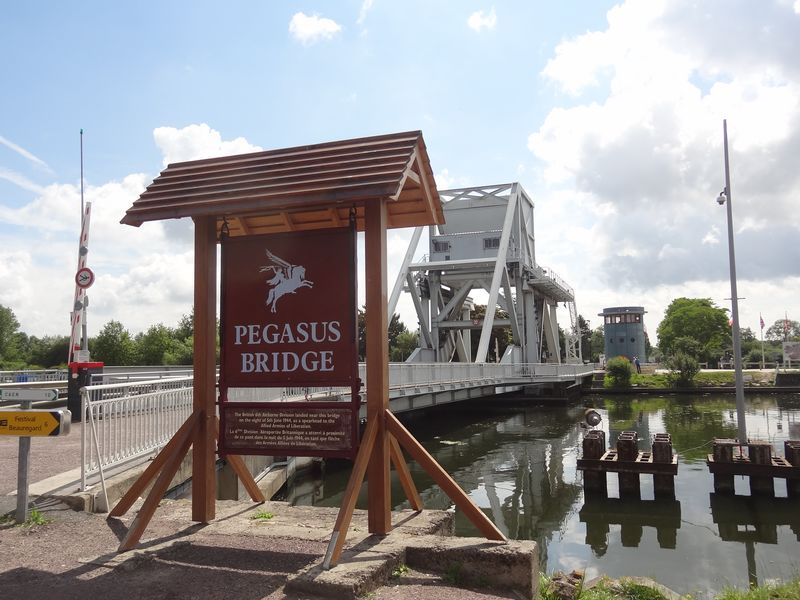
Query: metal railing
column 33, row 375
column 130, row 421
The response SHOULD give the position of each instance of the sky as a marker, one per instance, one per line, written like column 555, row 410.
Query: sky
column 609, row 115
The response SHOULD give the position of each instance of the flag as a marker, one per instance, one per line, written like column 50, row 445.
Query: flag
column 761, row 319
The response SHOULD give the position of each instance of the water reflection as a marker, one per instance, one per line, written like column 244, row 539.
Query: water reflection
column 519, row 466
column 632, row 516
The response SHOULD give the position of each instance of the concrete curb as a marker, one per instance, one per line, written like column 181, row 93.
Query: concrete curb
column 369, row 565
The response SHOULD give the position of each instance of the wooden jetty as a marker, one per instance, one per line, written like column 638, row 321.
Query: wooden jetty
column 629, row 463
column 760, row 466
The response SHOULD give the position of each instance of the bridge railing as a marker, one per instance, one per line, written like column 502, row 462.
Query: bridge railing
column 126, row 422
column 129, row 422
column 33, row 375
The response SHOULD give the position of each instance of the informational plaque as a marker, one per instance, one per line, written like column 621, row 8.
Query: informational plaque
column 288, row 319
column 280, row 428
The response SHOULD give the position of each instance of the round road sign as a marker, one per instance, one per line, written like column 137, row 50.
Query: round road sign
column 84, row 277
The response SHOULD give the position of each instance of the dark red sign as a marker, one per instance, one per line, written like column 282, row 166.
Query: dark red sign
column 289, row 309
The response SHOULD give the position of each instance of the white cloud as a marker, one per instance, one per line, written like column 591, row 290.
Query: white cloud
column 20, row 180
column 194, row 142
column 311, row 29
column 143, row 274
column 639, row 140
column 712, row 237
column 480, row 20
column 797, row 6
column 366, row 6
column 24, row 153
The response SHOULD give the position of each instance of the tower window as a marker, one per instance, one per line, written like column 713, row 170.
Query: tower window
column 491, row 243
column 441, row 246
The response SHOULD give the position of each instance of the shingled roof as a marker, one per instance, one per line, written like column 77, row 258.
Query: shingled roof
column 293, row 189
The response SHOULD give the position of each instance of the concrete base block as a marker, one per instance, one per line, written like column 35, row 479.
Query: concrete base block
column 477, row 562
column 495, row 565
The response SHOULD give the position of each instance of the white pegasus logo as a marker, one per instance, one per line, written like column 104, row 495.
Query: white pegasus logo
column 287, row 279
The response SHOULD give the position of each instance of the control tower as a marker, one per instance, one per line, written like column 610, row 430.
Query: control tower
column 623, row 330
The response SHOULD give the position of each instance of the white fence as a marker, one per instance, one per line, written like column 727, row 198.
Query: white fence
column 130, row 421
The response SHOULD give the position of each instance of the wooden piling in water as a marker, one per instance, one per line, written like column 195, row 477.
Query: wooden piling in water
column 663, row 485
column 628, row 450
column 791, row 451
column 722, row 452
column 594, row 446
column 760, row 453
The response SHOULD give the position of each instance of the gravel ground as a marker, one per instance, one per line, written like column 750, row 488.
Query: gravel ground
column 74, row 556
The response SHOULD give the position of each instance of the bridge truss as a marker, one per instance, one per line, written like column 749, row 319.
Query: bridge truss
column 487, row 243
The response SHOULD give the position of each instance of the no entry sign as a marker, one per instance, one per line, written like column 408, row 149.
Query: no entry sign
column 288, row 319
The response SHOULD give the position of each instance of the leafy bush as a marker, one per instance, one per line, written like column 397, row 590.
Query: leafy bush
column 618, row 372
column 682, row 369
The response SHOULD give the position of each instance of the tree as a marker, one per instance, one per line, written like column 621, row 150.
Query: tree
column 783, row 330
column 8, row 331
column 405, row 343
column 597, row 344
column 152, row 345
column 500, row 335
column 49, row 351
column 696, row 318
column 396, row 327
column 586, row 337
column 114, row 345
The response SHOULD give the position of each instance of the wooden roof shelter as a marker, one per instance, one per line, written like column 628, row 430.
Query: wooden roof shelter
column 294, row 189
column 387, row 180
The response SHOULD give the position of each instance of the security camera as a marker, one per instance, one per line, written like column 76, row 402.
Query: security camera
column 721, row 198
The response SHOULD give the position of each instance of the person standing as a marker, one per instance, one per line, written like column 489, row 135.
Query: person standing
column 638, row 364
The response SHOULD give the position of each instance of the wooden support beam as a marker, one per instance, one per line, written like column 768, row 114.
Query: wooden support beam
column 351, row 495
column 443, row 479
column 158, row 490
column 150, row 473
column 242, row 221
column 242, row 472
column 404, row 475
column 377, row 323
column 204, row 483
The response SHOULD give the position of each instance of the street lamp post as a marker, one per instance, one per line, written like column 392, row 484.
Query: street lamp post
column 725, row 198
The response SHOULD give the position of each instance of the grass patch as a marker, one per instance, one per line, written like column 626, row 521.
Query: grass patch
column 36, row 518
column 627, row 589
column 400, row 570
column 262, row 516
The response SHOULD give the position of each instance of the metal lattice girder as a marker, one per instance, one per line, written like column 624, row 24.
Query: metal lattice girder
column 486, row 242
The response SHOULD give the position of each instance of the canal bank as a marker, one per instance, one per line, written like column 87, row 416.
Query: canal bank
column 519, row 465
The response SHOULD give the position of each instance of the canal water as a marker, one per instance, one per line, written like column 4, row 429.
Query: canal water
column 519, row 466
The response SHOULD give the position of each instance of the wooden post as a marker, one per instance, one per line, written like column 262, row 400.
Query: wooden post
column 377, row 323
column 791, row 451
column 663, row 485
column 204, row 484
column 628, row 450
column 722, row 451
column 594, row 446
column 760, row 453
